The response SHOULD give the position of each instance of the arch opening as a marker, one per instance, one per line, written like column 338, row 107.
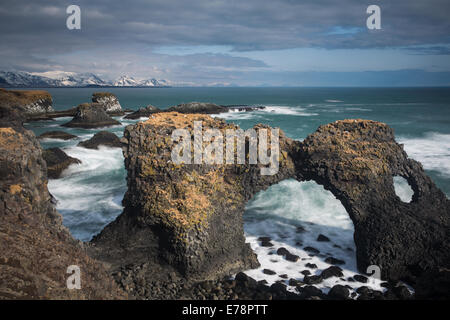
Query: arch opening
column 403, row 189
column 312, row 225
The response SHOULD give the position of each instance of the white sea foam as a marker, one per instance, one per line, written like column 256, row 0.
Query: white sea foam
column 333, row 101
column 278, row 211
column 432, row 150
column 89, row 194
column 269, row 109
column 402, row 189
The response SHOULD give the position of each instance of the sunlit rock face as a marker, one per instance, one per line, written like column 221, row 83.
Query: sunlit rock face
column 28, row 102
column 109, row 102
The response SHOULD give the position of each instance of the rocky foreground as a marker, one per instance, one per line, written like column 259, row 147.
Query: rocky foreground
column 181, row 232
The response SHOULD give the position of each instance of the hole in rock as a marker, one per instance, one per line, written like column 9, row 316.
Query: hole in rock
column 402, row 189
column 293, row 215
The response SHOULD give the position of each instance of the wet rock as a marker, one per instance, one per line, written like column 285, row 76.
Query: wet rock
column 311, row 249
column 357, row 160
column 338, row 292
column 334, row 261
column 402, row 293
column 104, row 138
column 311, row 265
column 109, row 102
column 360, row 278
column 307, row 292
column 322, row 238
column 292, row 257
column 282, row 251
column 312, row 279
column 91, row 115
column 305, row 272
column 266, row 243
column 198, row 107
column 332, row 271
column 57, row 135
column 283, row 276
column 57, row 161
column 300, row 229
column 269, row 272
column 144, row 112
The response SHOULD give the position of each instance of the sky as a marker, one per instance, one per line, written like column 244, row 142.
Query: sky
column 234, row 42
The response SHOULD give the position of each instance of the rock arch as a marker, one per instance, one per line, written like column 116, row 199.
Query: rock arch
column 187, row 219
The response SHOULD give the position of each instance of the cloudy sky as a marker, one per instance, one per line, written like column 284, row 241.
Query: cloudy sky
column 234, row 42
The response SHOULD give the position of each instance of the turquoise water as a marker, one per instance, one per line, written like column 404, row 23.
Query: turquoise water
column 89, row 195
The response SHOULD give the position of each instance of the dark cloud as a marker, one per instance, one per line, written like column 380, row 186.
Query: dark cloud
column 34, row 34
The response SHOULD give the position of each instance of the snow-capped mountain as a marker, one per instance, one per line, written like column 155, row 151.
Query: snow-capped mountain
column 70, row 79
column 127, row 81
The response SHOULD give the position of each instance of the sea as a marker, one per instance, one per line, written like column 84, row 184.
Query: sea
column 89, row 194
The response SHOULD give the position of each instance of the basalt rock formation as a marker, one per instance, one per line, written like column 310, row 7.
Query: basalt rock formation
column 104, row 138
column 198, row 107
column 91, row 115
column 356, row 160
column 109, row 102
column 143, row 112
column 36, row 249
column 184, row 221
column 28, row 102
column 187, row 218
column 57, row 161
column 61, row 135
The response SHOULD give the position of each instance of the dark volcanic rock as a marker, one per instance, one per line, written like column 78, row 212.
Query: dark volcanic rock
column 282, row 251
column 187, row 217
column 334, row 261
column 91, row 115
column 104, row 138
column 311, row 249
column 356, row 160
column 292, row 257
column 332, row 271
column 27, row 102
column 36, row 249
column 269, row 272
column 338, row 292
column 57, row 161
column 322, row 238
column 144, row 112
column 198, row 107
column 360, row 278
column 311, row 265
column 312, row 279
column 57, row 135
column 109, row 102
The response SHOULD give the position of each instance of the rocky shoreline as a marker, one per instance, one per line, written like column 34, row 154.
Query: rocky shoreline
column 181, row 236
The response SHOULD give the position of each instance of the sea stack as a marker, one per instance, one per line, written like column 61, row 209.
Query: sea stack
column 28, row 102
column 91, row 115
column 36, row 249
column 109, row 102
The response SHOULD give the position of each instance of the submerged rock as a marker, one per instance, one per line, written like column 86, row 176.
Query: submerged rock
column 104, row 138
column 57, row 161
column 109, row 102
column 91, row 115
column 28, row 102
column 57, row 135
column 144, row 112
column 36, row 249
